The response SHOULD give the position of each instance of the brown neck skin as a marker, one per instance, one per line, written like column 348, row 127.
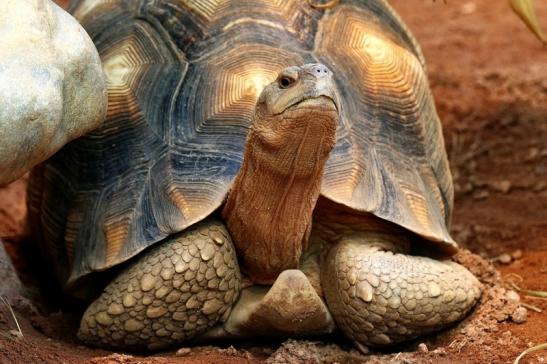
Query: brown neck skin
column 269, row 209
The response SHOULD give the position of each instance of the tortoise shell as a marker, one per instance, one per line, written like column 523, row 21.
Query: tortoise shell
column 183, row 78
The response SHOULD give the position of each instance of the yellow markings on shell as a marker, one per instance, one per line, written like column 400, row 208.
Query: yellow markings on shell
column 255, row 83
column 124, row 63
column 116, row 234
column 240, row 80
column 385, row 75
column 123, row 66
column 238, row 89
column 371, row 45
column 433, row 184
column 74, row 218
column 195, row 200
column 239, row 21
column 360, row 51
column 385, row 65
column 90, row 7
column 116, row 70
column 369, row 54
column 178, row 198
column 204, row 8
column 361, row 43
column 211, row 10
column 419, row 207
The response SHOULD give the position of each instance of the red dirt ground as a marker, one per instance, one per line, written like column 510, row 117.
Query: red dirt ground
column 489, row 78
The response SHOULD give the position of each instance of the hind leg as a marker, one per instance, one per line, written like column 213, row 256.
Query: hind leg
column 378, row 297
column 172, row 292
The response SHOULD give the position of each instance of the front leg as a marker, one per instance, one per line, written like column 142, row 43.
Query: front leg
column 171, row 293
column 379, row 297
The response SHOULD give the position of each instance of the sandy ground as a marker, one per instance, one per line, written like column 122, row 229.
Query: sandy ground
column 489, row 78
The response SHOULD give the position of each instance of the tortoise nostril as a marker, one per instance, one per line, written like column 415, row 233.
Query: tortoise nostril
column 320, row 70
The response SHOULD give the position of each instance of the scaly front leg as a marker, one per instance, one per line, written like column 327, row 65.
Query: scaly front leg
column 169, row 294
column 380, row 297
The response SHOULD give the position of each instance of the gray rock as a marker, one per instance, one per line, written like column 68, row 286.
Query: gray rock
column 11, row 285
column 12, row 290
column 52, row 87
column 520, row 315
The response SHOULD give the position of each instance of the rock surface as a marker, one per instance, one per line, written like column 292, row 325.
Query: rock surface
column 52, row 87
column 11, row 285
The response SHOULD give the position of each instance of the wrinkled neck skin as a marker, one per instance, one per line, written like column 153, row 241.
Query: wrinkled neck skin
column 269, row 209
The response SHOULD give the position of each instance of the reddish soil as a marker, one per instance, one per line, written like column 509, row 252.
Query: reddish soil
column 489, row 78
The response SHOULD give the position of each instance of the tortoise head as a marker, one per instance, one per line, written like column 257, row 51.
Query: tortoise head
column 295, row 87
column 297, row 115
column 269, row 209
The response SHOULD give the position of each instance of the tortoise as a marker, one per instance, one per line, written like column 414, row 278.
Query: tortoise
column 267, row 168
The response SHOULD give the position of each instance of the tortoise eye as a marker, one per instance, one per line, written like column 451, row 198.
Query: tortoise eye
column 286, row 82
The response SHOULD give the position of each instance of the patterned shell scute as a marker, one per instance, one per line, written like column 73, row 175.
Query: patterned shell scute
column 183, row 78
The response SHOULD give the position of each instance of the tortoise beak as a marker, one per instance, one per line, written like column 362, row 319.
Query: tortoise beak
column 324, row 101
column 316, row 82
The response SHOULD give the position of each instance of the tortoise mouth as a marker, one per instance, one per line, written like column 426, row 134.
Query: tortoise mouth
column 323, row 102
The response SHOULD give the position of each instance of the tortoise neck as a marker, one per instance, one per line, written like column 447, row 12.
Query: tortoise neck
column 269, row 209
